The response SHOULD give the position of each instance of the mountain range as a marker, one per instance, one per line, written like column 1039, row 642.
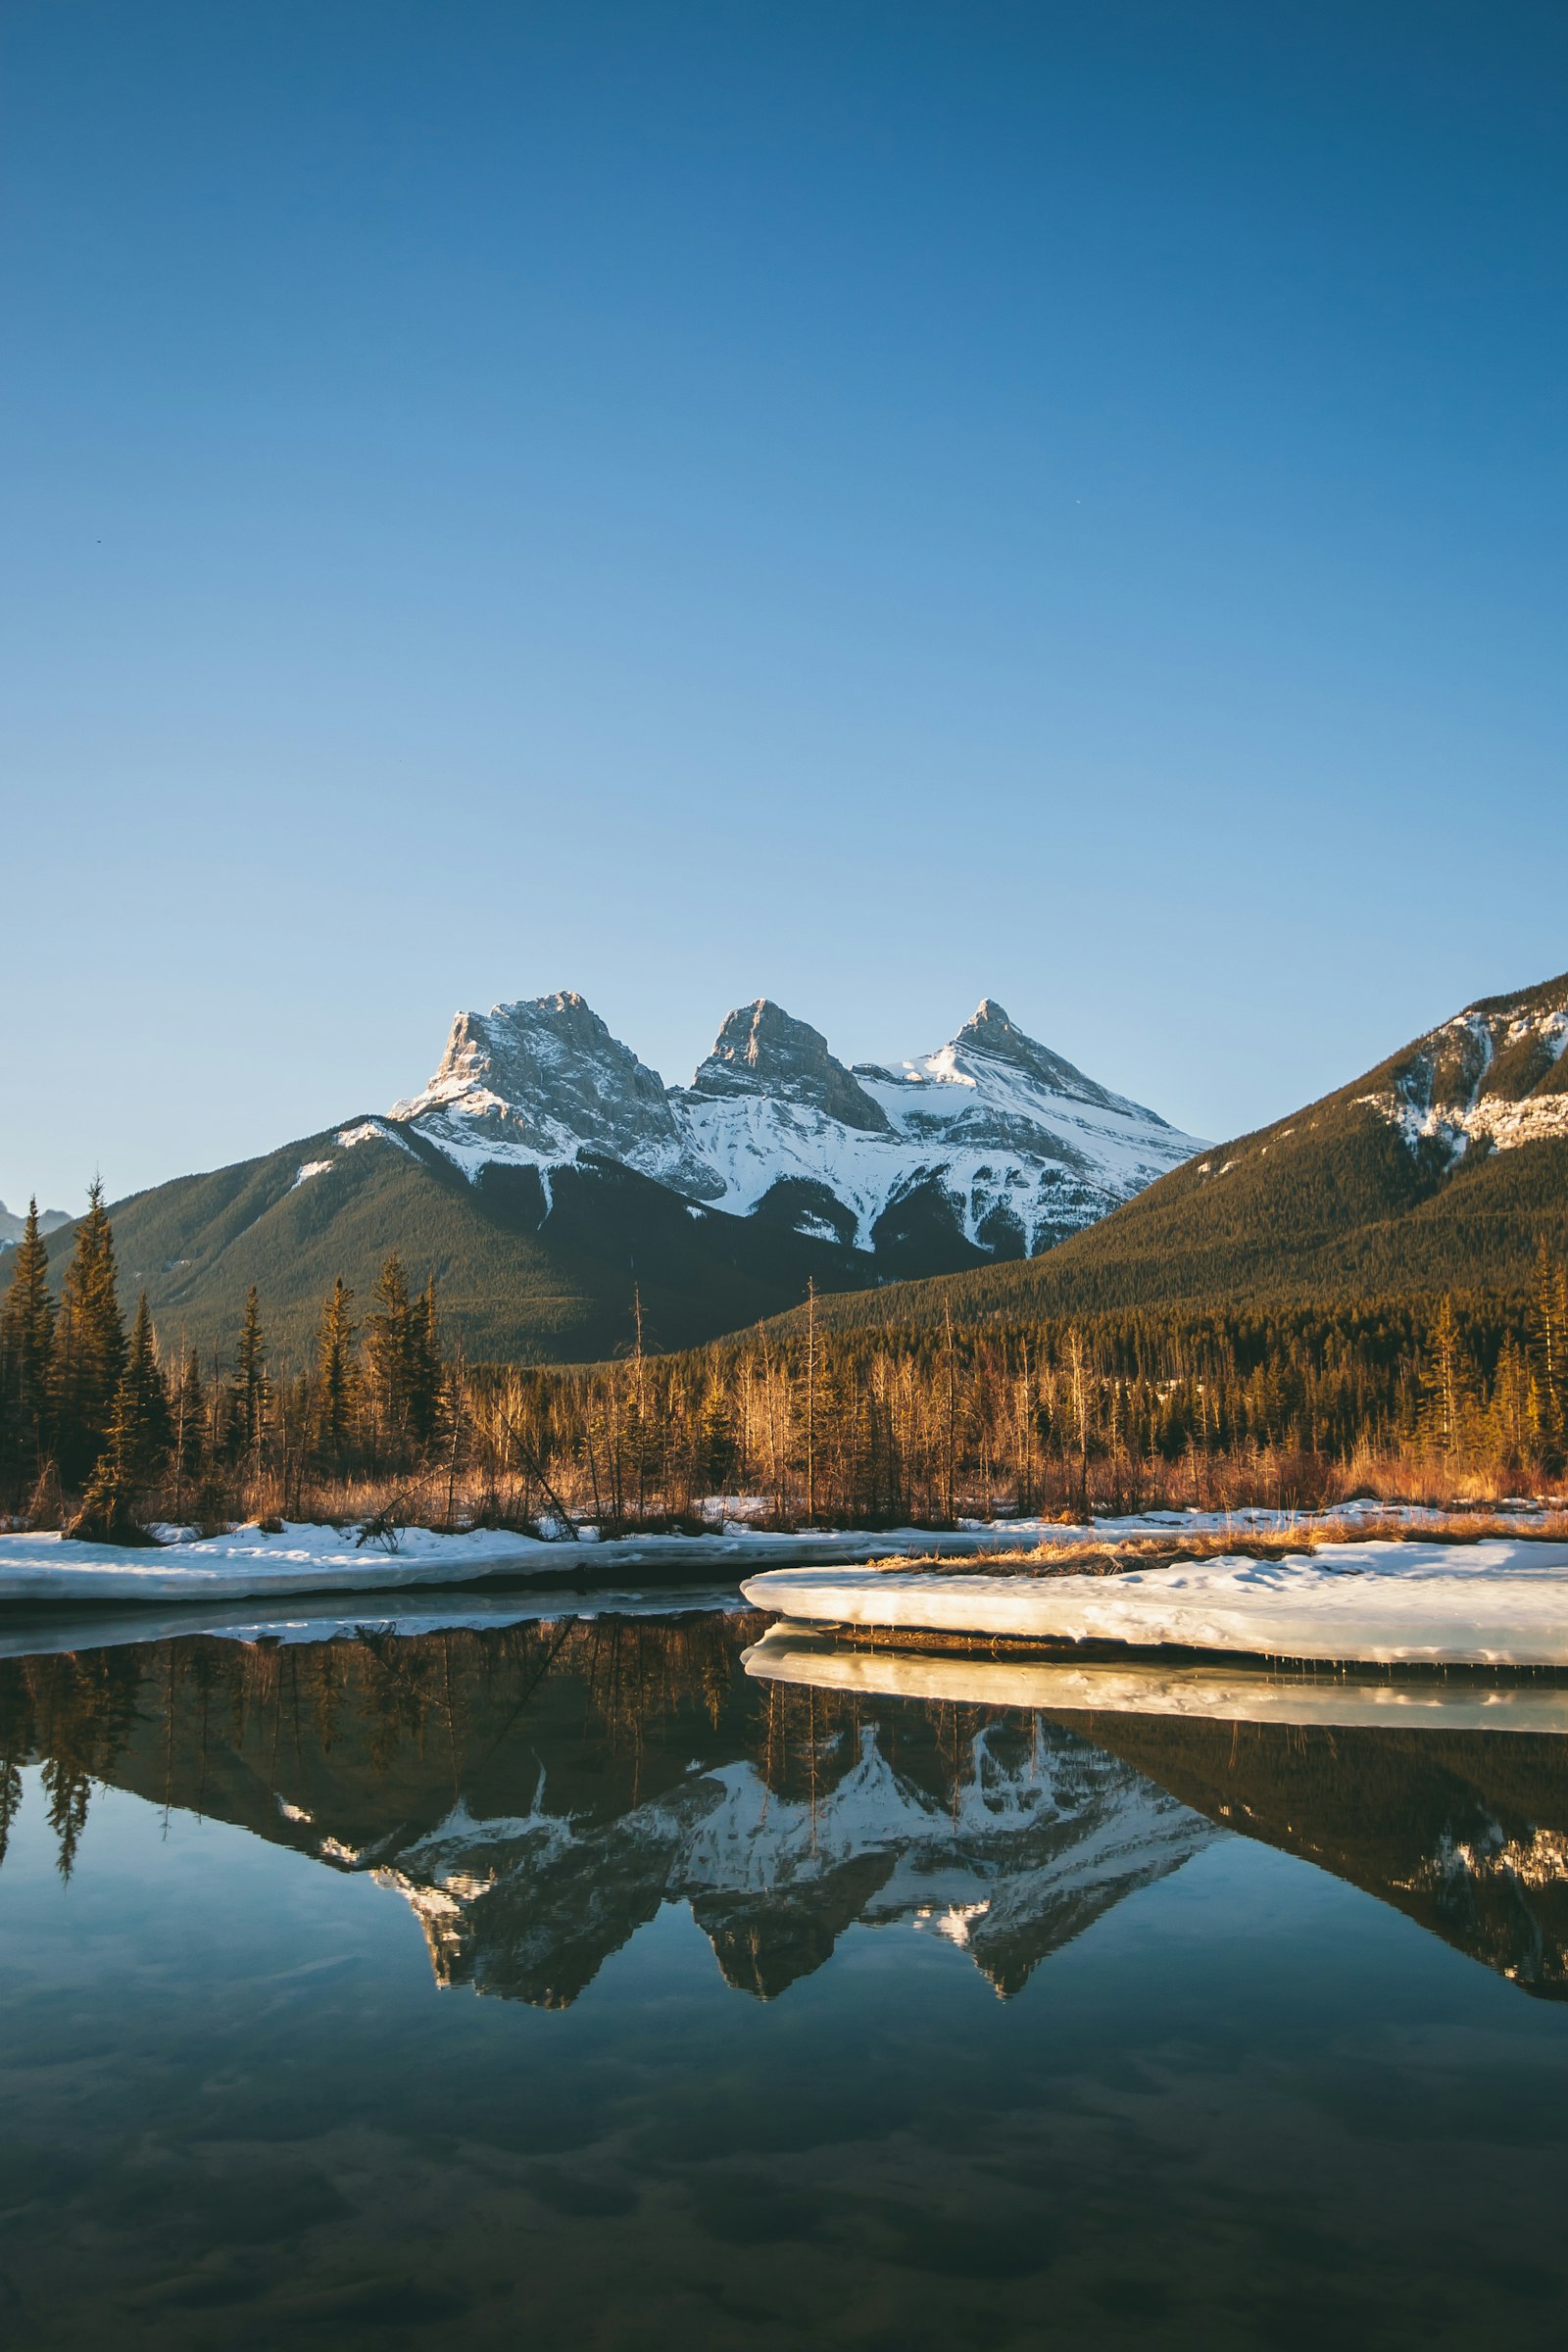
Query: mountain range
column 549, row 1179
column 546, row 1176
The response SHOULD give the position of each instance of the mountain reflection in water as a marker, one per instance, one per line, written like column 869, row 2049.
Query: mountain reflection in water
column 537, row 1793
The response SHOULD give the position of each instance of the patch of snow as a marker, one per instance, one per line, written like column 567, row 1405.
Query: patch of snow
column 312, row 1167
column 1438, row 1097
column 374, row 1131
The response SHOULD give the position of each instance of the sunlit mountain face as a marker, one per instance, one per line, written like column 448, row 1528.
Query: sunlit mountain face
column 536, row 1795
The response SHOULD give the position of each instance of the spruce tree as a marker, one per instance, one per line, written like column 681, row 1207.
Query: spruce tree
column 1447, row 1387
column 248, row 1386
column 26, row 1358
column 187, row 1414
column 150, row 1394
column 134, row 1447
column 386, row 1349
column 336, row 1385
column 425, row 1372
column 89, row 1352
column 1548, row 1316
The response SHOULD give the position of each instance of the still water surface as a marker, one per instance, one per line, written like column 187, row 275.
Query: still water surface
column 561, row 1984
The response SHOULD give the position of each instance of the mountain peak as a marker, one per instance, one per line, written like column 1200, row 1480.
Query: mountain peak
column 540, row 1078
column 989, row 1031
column 763, row 1049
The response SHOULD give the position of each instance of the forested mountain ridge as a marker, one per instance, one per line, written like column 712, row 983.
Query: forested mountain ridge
column 552, row 1184
column 1441, row 1168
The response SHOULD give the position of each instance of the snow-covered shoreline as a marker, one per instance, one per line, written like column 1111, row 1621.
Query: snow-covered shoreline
column 303, row 1559
column 1494, row 1603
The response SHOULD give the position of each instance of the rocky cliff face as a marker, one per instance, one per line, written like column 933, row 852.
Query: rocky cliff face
column 994, row 1141
column 762, row 1050
column 540, row 1083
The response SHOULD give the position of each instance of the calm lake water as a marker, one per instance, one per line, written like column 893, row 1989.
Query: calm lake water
column 561, row 1984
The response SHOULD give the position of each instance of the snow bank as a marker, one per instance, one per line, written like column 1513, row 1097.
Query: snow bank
column 327, row 1559
column 1204, row 1694
column 1502, row 1603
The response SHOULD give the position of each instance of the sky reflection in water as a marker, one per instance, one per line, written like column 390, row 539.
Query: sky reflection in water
column 856, row 2017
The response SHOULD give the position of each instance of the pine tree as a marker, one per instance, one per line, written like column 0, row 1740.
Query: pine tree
column 335, row 1386
column 89, row 1352
column 26, row 1357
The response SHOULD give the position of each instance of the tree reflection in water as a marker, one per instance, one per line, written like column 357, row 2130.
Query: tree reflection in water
column 536, row 1793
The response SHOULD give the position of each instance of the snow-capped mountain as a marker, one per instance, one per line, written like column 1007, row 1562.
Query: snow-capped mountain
column 992, row 1132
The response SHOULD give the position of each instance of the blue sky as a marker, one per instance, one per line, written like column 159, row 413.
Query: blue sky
column 871, row 505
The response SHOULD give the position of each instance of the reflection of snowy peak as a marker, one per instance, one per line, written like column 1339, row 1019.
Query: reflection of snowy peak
column 1042, row 1835
column 993, row 1139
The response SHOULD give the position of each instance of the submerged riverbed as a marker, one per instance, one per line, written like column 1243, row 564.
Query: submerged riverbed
column 563, row 1983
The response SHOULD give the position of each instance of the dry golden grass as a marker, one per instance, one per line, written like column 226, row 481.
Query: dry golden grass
column 1118, row 1555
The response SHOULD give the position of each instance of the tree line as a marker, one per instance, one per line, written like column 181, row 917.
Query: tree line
column 104, row 1428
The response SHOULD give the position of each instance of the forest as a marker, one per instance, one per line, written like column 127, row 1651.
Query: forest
column 111, row 1428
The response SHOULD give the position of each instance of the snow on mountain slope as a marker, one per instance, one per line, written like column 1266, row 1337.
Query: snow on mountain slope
column 1494, row 1075
column 1014, row 1144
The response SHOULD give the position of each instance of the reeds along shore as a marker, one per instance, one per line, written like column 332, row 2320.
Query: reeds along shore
column 107, row 1430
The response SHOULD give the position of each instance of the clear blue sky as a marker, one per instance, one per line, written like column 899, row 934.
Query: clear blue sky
column 871, row 505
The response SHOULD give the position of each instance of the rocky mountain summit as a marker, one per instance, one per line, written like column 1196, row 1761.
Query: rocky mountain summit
column 994, row 1137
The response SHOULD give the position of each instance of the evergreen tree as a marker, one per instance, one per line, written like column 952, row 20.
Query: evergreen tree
column 26, row 1357
column 248, row 1386
column 1548, row 1336
column 149, row 1392
column 89, row 1351
column 335, row 1387
column 134, row 1447
column 1446, row 1385
column 187, row 1429
column 427, row 1387
column 386, row 1349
